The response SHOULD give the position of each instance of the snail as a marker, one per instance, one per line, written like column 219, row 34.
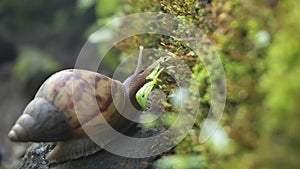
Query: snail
column 51, row 115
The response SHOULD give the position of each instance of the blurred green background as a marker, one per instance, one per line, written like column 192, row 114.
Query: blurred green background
column 259, row 45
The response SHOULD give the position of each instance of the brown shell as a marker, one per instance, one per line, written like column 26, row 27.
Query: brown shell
column 82, row 96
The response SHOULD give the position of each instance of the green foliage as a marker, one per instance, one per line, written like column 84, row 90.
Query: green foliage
column 85, row 4
column 181, row 162
column 280, row 143
column 33, row 63
column 261, row 58
column 106, row 8
column 24, row 16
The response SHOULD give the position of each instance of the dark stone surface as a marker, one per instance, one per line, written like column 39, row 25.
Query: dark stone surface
column 34, row 157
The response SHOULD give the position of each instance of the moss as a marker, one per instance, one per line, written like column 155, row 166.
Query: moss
column 259, row 47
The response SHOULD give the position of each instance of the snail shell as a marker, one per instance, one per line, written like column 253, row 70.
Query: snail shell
column 52, row 117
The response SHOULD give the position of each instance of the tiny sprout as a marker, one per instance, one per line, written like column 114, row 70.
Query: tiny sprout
column 143, row 94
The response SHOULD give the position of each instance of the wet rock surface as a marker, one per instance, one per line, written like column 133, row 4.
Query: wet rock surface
column 35, row 156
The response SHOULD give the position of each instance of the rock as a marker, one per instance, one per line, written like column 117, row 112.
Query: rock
column 34, row 157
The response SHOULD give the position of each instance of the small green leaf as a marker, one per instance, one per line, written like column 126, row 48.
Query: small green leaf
column 143, row 94
column 153, row 73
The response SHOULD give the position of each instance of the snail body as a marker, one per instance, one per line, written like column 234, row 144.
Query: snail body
column 53, row 117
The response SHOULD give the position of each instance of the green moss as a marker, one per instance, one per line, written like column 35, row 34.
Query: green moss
column 258, row 42
column 181, row 162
